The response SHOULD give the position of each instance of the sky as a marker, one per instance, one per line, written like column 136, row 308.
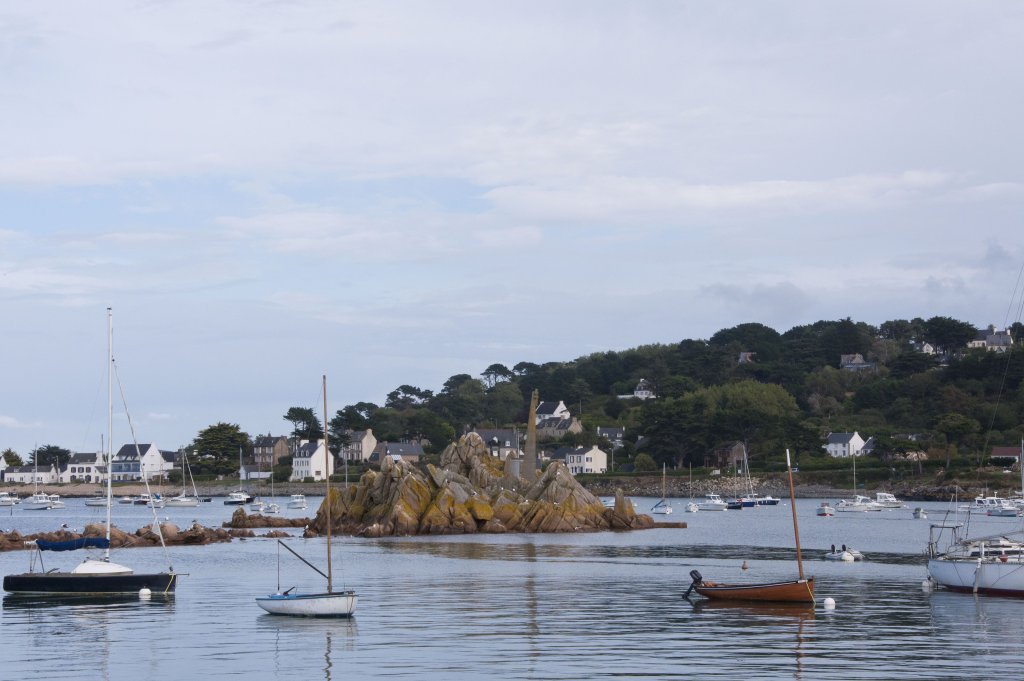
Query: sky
column 395, row 193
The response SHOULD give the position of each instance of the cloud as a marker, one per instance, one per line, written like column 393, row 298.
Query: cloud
column 14, row 424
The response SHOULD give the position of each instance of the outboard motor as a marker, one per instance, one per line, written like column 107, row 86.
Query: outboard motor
column 697, row 578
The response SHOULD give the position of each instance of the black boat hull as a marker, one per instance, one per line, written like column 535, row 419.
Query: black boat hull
column 65, row 583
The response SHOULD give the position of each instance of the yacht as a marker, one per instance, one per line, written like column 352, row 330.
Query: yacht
column 887, row 500
column 238, row 498
column 37, row 502
column 7, row 499
column 713, row 502
column 55, row 501
column 858, row 504
column 826, row 510
column 296, row 501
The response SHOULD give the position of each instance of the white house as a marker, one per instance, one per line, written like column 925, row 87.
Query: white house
column 548, row 410
column 29, row 475
column 643, row 391
column 311, row 460
column 361, row 444
column 585, row 460
column 84, row 467
column 128, row 465
column 841, row 445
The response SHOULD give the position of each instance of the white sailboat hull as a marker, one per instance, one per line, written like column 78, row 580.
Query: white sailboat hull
column 987, row 575
column 341, row 604
column 182, row 502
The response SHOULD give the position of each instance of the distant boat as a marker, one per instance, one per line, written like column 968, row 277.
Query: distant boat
column 93, row 576
column 185, row 500
column 887, row 500
column 983, row 565
column 55, row 501
column 39, row 501
column 840, row 555
column 825, row 510
column 239, row 497
column 800, row 590
column 96, row 500
column 920, row 514
column 328, row 603
column 297, row 501
column 766, row 500
column 712, row 502
column 8, row 499
column 664, row 506
column 859, row 504
column 691, row 507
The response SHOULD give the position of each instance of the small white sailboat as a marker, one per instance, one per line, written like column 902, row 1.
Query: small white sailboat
column 185, row 500
column 664, row 506
column 690, row 506
column 239, row 497
column 326, row 604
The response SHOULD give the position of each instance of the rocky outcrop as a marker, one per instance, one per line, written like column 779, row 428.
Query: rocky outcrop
column 144, row 536
column 470, row 491
column 241, row 520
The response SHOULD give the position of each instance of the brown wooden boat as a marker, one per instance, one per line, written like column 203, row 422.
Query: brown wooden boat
column 797, row 591
column 800, row 590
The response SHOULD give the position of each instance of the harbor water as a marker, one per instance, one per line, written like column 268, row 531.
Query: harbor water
column 581, row 606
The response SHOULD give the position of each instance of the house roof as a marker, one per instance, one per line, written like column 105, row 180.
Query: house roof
column 555, row 422
column 268, row 440
column 559, row 454
column 1008, row 452
column 497, row 436
column 840, row 438
column 307, row 450
column 83, row 459
column 404, row 449
column 548, row 408
column 611, row 432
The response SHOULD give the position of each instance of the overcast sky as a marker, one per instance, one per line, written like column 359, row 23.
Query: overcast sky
column 394, row 193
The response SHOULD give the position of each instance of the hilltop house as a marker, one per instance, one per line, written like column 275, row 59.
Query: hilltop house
column 854, row 362
column 268, row 449
column 992, row 340
column 729, row 456
column 84, row 467
column 840, row 445
column 130, row 464
column 643, row 391
column 584, row 460
column 311, row 460
column 361, row 444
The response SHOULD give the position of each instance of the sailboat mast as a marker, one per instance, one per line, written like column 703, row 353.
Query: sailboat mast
column 110, row 419
column 327, row 499
column 796, row 530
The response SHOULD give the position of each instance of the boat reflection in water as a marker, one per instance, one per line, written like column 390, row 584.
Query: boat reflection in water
column 293, row 639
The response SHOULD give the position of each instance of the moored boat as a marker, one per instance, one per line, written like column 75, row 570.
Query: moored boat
column 825, row 509
column 887, row 500
column 297, row 501
column 983, row 565
column 800, row 590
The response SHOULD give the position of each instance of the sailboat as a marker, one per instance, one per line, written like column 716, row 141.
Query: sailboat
column 185, row 500
column 94, row 575
column 691, row 507
column 326, row 604
column 797, row 591
column 664, row 506
column 239, row 497
column 272, row 506
column 859, row 503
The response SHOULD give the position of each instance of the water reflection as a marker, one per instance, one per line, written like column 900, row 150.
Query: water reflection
column 293, row 637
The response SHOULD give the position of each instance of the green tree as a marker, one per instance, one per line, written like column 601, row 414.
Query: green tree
column 49, row 455
column 305, row 423
column 219, row 445
column 643, row 463
column 11, row 457
column 496, row 373
column 407, row 396
column 503, row 402
column 356, row 416
column 957, row 428
column 948, row 334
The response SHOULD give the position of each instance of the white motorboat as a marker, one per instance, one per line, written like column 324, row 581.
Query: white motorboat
column 691, row 507
column 825, row 510
column 55, row 501
column 126, row 500
column 271, row 508
column 257, row 506
column 887, row 500
column 713, row 502
column 237, row 498
column 182, row 501
column 297, row 501
column 859, row 504
column 325, row 604
column 8, row 499
column 37, row 502
column 1004, row 509
column 765, row 500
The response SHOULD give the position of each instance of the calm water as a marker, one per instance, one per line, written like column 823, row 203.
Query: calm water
column 584, row 606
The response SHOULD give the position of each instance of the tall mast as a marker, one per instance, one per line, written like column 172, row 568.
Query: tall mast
column 796, row 531
column 327, row 499
column 110, row 419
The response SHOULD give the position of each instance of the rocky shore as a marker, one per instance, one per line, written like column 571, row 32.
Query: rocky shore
column 196, row 535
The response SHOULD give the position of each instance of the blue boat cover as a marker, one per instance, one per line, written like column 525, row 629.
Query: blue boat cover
column 74, row 544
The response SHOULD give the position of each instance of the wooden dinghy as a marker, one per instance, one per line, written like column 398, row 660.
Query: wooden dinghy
column 796, row 591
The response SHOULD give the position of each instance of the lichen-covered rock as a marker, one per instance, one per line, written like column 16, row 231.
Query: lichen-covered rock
column 471, row 491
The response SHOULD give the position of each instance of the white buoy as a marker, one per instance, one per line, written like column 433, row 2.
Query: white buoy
column 927, row 585
column 145, row 594
column 829, row 603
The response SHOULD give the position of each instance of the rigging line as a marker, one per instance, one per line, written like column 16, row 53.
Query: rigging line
column 1006, row 370
column 142, row 472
